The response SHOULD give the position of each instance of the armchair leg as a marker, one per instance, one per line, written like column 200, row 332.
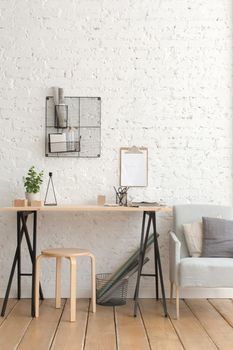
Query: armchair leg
column 177, row 302
column 171, row 290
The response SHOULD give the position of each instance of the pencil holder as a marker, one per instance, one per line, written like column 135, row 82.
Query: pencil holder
column 121, row 196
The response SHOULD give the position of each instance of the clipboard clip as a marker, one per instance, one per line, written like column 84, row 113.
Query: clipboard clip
column 133, row 150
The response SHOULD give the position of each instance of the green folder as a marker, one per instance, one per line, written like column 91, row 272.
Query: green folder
column 108, row 294
column 123, row 269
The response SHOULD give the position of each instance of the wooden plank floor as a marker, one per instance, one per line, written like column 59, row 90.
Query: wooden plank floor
column 204, row 324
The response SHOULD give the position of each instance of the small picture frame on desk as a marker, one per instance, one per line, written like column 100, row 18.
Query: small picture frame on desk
column 101, row 199
column 20, row 203
column 36, row 203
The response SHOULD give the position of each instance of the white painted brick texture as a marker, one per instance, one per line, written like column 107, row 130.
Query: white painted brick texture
column 164, row 72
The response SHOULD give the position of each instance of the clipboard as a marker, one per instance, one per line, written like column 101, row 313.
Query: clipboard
column 134, row 166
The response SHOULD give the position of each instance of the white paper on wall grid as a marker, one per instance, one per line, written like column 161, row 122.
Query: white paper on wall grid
column 133, row 168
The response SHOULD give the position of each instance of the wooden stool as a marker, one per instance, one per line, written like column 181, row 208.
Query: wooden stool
column 71, row 254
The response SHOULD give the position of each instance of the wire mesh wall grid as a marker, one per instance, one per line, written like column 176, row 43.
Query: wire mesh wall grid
column 83, row 116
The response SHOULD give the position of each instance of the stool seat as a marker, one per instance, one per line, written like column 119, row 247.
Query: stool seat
column 66, row 252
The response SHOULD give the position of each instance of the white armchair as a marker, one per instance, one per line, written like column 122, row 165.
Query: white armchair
column 186, row 271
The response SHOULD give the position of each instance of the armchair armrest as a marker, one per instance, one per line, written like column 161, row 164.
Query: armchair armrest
column 174, row 257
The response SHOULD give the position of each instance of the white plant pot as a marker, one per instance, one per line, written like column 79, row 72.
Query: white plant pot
column 32, row 197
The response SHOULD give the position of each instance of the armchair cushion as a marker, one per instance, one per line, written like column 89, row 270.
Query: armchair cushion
column 206, row 272
column 217, row 238
column 185, row 214
column 194, row 236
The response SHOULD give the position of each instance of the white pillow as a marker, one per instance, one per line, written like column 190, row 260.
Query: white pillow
column 193, row 235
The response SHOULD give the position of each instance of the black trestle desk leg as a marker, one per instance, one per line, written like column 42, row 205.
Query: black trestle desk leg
column 21, row 230
column 12, row 272
column 30, row 249
column 159, row 265
column 140, row 248
column 19, row 256
column 155, row 261
column 143, row 245
column 156, row 276
column 34, row 262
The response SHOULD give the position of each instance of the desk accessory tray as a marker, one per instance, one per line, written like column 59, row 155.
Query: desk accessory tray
column 84, row 118
column 147, row 204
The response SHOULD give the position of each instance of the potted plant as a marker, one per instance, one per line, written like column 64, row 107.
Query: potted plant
column 32, row 183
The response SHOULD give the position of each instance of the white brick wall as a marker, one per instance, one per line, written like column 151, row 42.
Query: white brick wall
column 164, row 72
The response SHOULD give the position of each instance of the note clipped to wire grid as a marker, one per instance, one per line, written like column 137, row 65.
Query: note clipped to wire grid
column 134, row 167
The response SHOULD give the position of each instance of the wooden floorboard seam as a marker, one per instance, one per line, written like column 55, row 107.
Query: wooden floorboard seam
column 115, row 324
column 41, row 301
column 86, row 328
column 55, row 332
column 177, row 333
column 200, row 323
column 225, row 318
column 24, row 334
column 8, row 313
column 143, row 322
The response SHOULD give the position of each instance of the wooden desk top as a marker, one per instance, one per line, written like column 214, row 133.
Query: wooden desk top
column 85, row 208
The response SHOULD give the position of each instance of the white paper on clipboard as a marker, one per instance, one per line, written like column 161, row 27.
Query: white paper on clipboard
column 134, row 168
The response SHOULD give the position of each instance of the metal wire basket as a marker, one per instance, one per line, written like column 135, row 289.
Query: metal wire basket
column 116, row 292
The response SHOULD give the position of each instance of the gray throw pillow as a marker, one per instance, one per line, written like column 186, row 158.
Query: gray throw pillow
column 217, row 238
